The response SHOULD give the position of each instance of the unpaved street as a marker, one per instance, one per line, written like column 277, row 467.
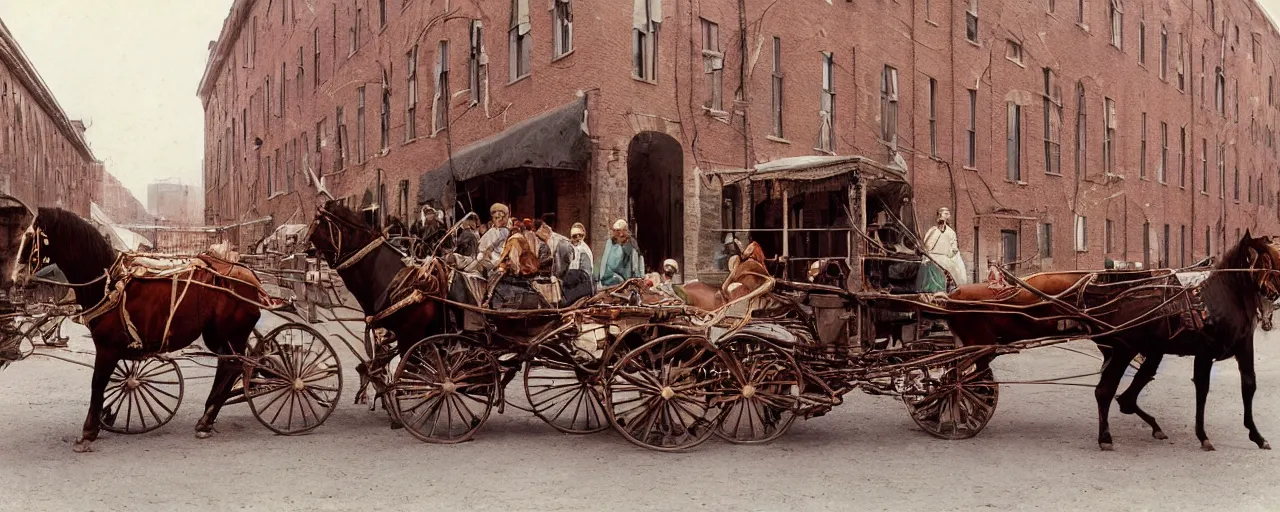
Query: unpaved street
column 1037, row 454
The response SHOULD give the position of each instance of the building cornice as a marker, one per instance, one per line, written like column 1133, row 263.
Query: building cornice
column 20, row 66
column 223, row 47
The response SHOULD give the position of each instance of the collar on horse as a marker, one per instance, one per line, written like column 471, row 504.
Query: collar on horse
column 335, row 237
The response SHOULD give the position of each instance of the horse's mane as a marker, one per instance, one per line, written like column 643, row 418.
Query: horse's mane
column 1223, row 286
column 345, row 213
column 69, row 230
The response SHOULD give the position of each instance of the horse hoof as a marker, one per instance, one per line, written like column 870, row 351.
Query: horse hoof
column 1265, row 445
column 82, row 446
column 1106, row 447
column 1159, row 434
column 203, row 434
column 1206, row 446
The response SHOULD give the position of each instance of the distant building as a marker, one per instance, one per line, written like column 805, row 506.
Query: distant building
column 175, row 203
column 119, row 203
column 44, row 159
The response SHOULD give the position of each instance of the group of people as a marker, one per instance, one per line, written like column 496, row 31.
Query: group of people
column 528, row 248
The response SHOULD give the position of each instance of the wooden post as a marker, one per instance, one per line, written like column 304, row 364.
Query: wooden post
column 786, row 223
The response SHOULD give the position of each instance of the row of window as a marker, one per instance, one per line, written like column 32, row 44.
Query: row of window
column 1010, row 247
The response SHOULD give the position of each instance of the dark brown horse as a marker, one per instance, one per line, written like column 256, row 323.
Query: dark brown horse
column 745, row 277
column 1233, row 296
column 206, row 310
column 369, row 268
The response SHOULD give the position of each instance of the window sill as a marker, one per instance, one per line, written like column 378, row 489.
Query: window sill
column 1083, row 26
column 969, row 168
column 519, row 79
column 1162, row 183
column 644, row 80
column 1055, row 174
column 1019, row 64
column 973, row 43
column 275, row 195
column 826, row 152
column 563, row 55
column 931, row 22
column 779, row 140
column 409, row 141
column 1019, row 183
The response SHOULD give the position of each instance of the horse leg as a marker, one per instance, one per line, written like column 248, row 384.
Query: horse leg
column 1112, row 371
column 1203, row 366
column 223, row 379
column 1128, row 400
column 104, row 363
column 1248, row 385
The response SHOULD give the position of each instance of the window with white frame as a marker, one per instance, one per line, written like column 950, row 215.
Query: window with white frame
column 1108, row 136
column 1164, row 52
column 933, row 117
column 1013, row 51
column 562, row 19
column 1142, row 148
column 1164, row 152
column 776, row 91
column 1082, row 233
column 1052, row 124
column 889, row 108
column 1117, row 24
column 518, row 40
column 440, row 104
column 1013, row 137
column 827, row 107
column 971, row 132
column 477, row 62
column 1142, row 44
column 971, row 22
column 644, row 43
column 713, row 66
column 411, row 94
column 360, row 153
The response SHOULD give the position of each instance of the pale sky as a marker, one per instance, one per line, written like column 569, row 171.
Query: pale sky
column 130, row 68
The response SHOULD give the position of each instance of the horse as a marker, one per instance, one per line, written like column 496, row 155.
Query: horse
column 748, row 275
column 372, row 271
column 162, row 323
column 1232, row 295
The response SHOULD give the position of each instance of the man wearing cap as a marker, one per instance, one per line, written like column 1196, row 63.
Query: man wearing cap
column 581, row 259
column 622, row 260
column 496, row 236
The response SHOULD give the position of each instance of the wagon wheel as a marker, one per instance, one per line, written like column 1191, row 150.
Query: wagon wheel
column 953, row 400
column 661, row 395
column 142, row 396
column 444, row 388
column 563, row 392
column 761, row 391
column 293, row 380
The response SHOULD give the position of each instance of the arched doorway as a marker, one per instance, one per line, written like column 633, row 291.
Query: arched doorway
column 655, row 197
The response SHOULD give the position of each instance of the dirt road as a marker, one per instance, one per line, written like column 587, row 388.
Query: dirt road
column 1038, row 453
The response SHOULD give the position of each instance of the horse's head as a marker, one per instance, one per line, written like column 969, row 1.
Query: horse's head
column 340, row 235
column 1263, row 256
column 17, row 240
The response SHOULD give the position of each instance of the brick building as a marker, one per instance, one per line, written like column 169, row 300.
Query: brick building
column 119, row 202
column 44, row 159
column 1060, row 133
column 175, row 203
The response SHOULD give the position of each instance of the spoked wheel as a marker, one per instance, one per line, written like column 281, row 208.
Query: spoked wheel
column 761, row 391
column 142, row 396
column 951, row 401
column 564, row 392
column 444, row 388
column 293, row 380
column 662, row 395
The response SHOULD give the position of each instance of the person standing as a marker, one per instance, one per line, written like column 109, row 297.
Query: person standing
column 622, row 260
column 943, row 253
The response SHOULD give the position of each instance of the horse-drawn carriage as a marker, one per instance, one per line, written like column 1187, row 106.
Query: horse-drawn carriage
column 439, row 352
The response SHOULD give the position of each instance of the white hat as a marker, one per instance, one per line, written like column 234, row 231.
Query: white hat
column 577, row 229
column 671, row 264
column 620, row 224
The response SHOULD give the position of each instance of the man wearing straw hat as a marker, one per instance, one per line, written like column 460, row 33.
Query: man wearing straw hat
column 493, row 240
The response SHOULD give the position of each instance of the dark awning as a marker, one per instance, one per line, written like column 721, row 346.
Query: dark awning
column 553, row 140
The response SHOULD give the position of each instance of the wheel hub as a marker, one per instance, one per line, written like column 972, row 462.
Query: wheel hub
column 667, row 392
column 132, row 383
column 448, row 386
column 298, row 385
column 748, row 391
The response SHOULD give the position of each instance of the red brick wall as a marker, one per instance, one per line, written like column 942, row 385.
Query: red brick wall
column 863, row 37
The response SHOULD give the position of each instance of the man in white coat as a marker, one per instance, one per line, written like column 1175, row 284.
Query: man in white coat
column 943, row 250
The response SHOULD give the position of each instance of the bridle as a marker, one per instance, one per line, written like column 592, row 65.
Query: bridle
column 332, row 224
column 34, row 238
column 1268, row 275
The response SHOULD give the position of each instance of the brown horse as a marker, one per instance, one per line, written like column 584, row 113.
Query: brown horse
column 1232, row 296
column 208, row 309
column 745, row 277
